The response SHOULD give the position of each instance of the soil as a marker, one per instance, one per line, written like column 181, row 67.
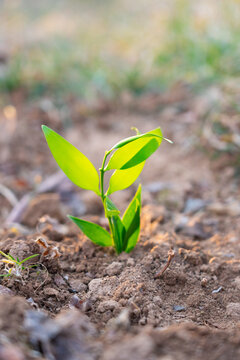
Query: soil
column 82, row 301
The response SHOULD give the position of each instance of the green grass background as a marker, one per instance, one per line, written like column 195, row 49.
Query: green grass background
column 91, row 48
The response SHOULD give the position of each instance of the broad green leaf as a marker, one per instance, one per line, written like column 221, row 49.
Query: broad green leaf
column 74, row 164
column 110, row 207
column 156, row 132
column 121, row 179
column 131, row 221
column 118, row 233
column 94, row 232
column 135, row 152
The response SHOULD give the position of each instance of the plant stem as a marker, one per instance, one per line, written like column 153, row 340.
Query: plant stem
column 102, row 171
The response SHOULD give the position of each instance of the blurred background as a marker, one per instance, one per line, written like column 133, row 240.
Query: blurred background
column 92, row 69
column 92, row 48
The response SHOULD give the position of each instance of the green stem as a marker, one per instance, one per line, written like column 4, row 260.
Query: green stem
column 102, row 171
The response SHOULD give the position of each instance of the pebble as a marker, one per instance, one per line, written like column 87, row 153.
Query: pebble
column 108, row 305
column 179, row 308
column 237, row 282
column 217, row 290
column 204, row 282
column 59, row 281
column 95, row 284
column 193, row 205
column 130, row 262
column 78, row 285
column 157, row 300
column 157, row 186
column 51, row 291
column 233, row 310
column 114, row 269
column 5, row 291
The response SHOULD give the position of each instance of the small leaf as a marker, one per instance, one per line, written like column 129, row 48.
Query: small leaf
column 118, row 233
column 132, row 235
column 74, row 164
column 135, row 129
column 9, row 257
column 110, row 207
column 28, row 258
column 121, row 179
column 156, row 133
column 94, row 232
column 131, row 221
column 135, row 151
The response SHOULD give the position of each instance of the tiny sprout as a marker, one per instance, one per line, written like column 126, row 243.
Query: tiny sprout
column 127, row 159
column 15, row 267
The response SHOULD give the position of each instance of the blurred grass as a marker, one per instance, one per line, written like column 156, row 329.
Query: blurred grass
column 104, row 48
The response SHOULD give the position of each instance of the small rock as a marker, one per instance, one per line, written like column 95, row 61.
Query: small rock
column 195, row 229
column 193, row 205
column 5, row 291
column 86, row 305
column 59, row 281
column 142, row 321
column 108, row 305
column 75, row 302
column 114, row 269
column 233, row 310
column 157, row 300
column 95, row 284
column 51, row 291
column 32, row 303
column 204, row 282
column 179, row 308
column 78, row 285
column 130, row 262
column 231, row 209
column 237, row 282
column 217, row 290
column 157, row 186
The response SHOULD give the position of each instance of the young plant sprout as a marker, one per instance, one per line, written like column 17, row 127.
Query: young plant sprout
column 15, row 267
column 127, row 159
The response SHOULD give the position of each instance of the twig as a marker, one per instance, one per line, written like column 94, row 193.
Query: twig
column 50, row 184
column 171, row 255
column 8, row 194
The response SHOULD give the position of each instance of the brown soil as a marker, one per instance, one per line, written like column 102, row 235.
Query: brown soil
column 90, row 303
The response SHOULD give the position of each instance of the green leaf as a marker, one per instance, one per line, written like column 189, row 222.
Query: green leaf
column 132, row 235
column 74, row 164
column 9, row 257
column 121, row 179
column 118, row 233
column 94, row 232
column 28, row 258
column 157, row 133
column 135, row 150
column 110, row 207
column 131, row 221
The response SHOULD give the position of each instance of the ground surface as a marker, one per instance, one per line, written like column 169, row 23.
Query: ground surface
column 90, row 303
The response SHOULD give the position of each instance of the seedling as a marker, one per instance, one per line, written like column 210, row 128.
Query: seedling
column 15, row 267
column 127, row 159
